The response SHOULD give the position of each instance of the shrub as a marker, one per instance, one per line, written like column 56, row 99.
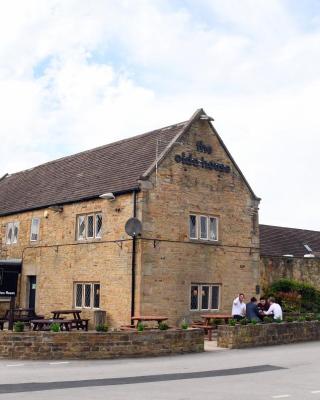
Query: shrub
column 243, row 321
column 289, row 319
column 163, row 326
column 232, row 322
column 254, row 322
column 277, row 320
column 216, row 321
column 310, row 317
column 55, row 327
column 184, row 325
column 18, row 326
column 140, row 327
column 267, row 320
column 301, row 318
column 102, row 328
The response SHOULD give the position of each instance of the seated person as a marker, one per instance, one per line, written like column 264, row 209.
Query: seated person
column 275, row 309
column 263, row 305
column 252, row 311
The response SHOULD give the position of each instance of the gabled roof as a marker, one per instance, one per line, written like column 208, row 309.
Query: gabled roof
column 115, row 168
column 279, row 241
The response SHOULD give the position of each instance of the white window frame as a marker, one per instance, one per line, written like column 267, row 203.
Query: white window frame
column 13, row 226
column 92, row 286
column 86, row 225
column 35, row 232
column 198, row 227
column 200, row 286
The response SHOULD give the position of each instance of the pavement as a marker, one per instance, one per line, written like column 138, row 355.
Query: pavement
column 278, row 372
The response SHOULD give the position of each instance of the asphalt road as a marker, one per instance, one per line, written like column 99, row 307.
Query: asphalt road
column 291, row 371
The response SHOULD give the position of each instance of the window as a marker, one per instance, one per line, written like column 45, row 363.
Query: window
column 35, row 226
column 204, row 297
column 203, row 227
column 87, row 295
column 89, row 226
column 12, row 232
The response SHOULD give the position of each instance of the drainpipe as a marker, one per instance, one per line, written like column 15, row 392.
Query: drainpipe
column 133, row 260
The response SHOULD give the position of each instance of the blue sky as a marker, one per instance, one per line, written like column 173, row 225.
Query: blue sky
column 75, row 74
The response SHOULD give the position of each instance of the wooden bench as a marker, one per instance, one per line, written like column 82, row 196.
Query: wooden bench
column 80, row 324
column 207, row 329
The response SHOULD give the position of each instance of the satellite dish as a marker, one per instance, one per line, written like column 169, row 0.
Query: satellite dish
column 133, row 227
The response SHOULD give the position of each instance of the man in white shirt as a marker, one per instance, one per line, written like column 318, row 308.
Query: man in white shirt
column 275, row 309
column 238, row 307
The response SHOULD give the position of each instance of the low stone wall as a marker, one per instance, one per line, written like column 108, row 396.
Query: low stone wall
column 93, row 345
column 240, row 336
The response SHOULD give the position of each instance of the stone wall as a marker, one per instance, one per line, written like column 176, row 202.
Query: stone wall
column 240, row 336
column 300, row 269
column 93, row 345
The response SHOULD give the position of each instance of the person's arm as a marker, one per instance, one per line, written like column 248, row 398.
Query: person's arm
column 270, row 311
column 235, row 301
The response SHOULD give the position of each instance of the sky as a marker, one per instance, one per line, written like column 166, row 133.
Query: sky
column 76, row 74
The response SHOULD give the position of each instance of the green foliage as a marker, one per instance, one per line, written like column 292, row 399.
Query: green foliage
column 310, row 317
column 254, row 322
column 278, row 320
column 18, row 326
column 55, row 327
column 301, row 318
column 163, row 326
column 267, row 320
column 140, row 327
column 295, row 296
column 216, row 321
column 289, row 319
column 243, row 321
column 184, row 324
column 102, row 328
column 232, row 322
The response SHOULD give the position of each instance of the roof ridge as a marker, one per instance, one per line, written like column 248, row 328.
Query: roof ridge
column 96, row 148
column 287, row 227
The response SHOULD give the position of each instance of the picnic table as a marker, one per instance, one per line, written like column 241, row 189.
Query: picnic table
column 77, row 321
column 205, row 324
column 45, row 324
column 22, row 315
column 149, row 318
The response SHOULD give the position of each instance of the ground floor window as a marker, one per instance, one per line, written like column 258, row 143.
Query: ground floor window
column 204, row 296
column 87, row 295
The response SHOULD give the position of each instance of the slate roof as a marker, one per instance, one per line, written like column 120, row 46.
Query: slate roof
column 279, row 241
column 115, row 168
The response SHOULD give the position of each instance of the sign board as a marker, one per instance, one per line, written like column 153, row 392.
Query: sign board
column 9, row 280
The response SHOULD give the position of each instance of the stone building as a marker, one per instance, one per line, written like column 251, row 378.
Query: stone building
column 64, row 221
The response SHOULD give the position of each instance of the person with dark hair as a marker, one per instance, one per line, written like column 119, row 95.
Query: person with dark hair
column 252, row 311
column 238, row 307
column 263, row 304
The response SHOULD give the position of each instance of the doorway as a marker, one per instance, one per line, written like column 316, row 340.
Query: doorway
column 32, row 281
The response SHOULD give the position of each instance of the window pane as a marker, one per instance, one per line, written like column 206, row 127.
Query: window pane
column 81, row 227
column 215, row 297
column 213, row 231
column 15, row 232
column 90, row 226
column 205, row 297
column 96, row 295
column 9, row 232
column 35, row 229
column 87, row 295
column 98, row 225
column 194, row 297
column 78, row 295
column 193, row 226
column 203, row 228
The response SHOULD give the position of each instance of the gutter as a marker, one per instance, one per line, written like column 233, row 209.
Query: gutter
column 133, row 260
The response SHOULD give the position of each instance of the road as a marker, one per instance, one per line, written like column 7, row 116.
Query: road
column 290, row 371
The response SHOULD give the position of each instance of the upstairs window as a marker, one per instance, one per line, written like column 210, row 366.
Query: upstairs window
column 35, row 226
column 12, row 232
column 89, row 226
column 203, row 227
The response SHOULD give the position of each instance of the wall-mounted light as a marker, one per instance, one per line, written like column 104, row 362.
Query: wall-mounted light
column 108, row 196
column 56, row 208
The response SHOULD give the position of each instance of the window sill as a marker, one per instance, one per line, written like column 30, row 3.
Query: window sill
column 206, row 241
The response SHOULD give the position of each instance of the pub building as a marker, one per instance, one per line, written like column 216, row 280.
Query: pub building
column 192, row 246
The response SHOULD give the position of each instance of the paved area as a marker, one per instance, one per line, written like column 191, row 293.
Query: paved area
column 290, row 371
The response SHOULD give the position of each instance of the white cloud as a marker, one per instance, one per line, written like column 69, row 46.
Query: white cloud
column 75, row 74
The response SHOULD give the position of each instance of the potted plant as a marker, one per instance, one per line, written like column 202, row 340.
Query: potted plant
column 18, row 326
